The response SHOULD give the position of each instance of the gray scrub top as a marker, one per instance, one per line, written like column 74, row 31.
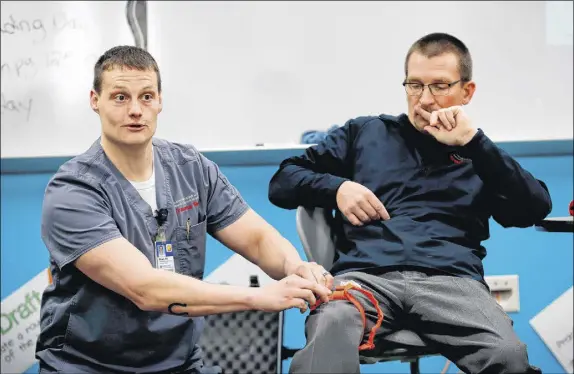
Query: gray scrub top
column 86, row 327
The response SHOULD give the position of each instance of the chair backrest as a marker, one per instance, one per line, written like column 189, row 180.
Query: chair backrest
column 316, row 235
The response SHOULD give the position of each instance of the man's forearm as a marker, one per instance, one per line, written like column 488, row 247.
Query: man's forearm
column 297, row 185
column 275, row 255
column 256, row 240
column 500, row 171
column 520, row 199
column 168, row 292
column 313, row 178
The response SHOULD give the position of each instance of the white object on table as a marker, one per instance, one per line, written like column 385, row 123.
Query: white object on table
column 561, row 219
column 236, row 271
column 554, row 325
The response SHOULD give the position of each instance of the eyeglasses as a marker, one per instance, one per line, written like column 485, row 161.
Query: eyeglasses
column 436, row 89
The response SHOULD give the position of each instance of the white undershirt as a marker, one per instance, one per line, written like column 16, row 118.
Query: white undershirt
column 146, row 189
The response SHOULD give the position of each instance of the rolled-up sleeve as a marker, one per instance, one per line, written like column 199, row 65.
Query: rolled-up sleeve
column 225, row 204
column 75, row 218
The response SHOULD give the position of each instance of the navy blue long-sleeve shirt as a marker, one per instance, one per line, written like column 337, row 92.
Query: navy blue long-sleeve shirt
column 439, row 197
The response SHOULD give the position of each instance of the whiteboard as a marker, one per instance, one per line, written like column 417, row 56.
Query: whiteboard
column 48, row 53
column 236, row 74
column 242, row 73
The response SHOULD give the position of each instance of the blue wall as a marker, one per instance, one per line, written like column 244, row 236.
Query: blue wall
column 542, row 260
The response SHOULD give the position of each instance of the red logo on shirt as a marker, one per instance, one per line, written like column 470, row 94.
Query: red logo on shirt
column 455, row 157
column 187, row 207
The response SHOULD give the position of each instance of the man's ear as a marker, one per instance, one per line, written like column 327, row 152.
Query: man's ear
column 160, row 103
column 468, row 92
column 94, row 101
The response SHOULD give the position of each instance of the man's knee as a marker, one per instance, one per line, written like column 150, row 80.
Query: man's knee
column 338, row 312
column 511, row 357
column 336, row 318
column 333, row 327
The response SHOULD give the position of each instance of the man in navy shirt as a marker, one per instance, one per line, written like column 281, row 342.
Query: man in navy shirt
column 412, row 196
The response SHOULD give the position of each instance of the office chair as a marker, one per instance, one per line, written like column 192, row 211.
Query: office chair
column 314, row 229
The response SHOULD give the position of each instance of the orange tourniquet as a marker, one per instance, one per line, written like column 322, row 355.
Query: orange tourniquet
column 342, row 293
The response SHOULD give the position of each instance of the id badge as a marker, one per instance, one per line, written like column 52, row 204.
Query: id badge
column 164, row 256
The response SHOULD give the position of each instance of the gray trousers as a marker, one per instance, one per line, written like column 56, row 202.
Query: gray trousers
column 456, row 315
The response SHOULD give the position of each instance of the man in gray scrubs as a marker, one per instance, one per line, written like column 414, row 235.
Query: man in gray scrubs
column 125, row 224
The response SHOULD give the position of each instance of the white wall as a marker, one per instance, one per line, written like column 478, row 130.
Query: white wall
column 240, row 73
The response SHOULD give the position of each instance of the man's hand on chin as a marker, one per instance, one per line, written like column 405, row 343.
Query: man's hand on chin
column 450, row 126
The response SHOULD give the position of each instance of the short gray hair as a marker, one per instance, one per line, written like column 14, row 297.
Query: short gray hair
column 124, row 56
column 436, row 44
